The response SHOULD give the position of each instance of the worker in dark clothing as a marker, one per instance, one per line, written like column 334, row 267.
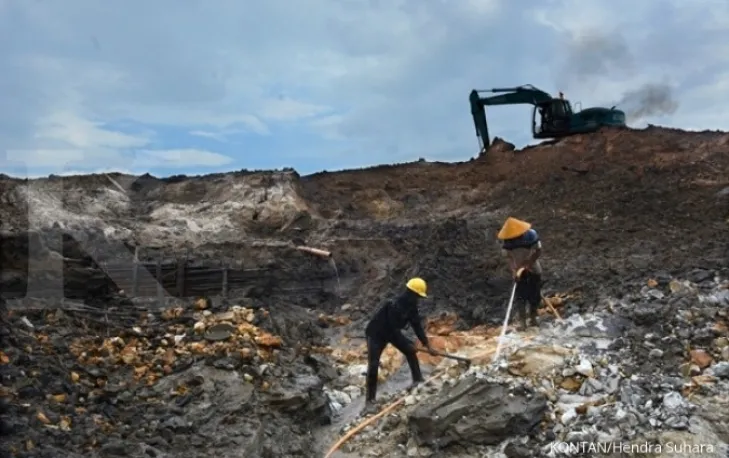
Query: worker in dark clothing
column 522, row 249
column 385, row 328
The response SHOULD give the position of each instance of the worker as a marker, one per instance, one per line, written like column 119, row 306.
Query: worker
column 522, row 249
column 385, row 328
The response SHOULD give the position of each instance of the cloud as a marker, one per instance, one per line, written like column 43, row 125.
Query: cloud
column 331, row 84
column 287, row 109
column 179, row 158
column 43, row 162
column 69, row 129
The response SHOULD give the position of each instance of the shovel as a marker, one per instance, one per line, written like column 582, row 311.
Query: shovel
column 460, row 359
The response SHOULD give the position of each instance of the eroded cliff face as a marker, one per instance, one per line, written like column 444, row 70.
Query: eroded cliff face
column 614, row 209
column 607, row 205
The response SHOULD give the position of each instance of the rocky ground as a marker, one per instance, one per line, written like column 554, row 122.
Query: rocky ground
column 634, row 226
column 182, row 382
column 649, row 370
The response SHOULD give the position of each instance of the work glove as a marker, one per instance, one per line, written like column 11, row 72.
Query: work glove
column 519, row 273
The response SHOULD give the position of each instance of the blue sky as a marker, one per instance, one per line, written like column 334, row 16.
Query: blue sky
column 171, row 87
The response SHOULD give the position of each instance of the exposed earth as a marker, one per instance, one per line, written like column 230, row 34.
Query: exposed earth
column 636, row 257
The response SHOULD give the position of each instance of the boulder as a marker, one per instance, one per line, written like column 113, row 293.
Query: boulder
column 304, row 395
column 476, row 411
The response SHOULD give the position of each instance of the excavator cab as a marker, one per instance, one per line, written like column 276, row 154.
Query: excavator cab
column 554, row 118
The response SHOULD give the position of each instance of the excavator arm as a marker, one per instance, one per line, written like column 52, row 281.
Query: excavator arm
column 526, row 94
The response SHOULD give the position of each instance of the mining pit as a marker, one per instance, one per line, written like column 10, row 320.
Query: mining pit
column 186, row 316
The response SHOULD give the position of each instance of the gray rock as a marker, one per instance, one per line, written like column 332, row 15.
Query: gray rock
column 721, row 370
column 677, row 422
column 723, row 192
column 700, row 275
column 517, row 451
column 656, row 353
column 645, row 314
column 117, row 448
column 673, row 402
column 612, row 384
column 477, row 412
column 590, row 386
column 655, row 294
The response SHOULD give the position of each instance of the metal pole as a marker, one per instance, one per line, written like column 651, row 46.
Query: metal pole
column 506, row 323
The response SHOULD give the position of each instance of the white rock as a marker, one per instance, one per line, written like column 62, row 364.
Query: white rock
column 353, row 391
column 721, row 369
column 585, row 368
column 656, row 353
column 673, row 401
column 568, row 416
column 335, row 406
column 339, row 397
column 27, row 323
column 410, row 400
column 356, row 370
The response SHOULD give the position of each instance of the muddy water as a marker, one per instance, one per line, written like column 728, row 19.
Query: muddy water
column 395, row 385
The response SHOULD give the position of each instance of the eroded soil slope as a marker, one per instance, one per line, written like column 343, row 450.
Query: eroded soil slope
column 611, row 204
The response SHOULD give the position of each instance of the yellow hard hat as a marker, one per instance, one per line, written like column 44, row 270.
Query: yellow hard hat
column 513, row 228
column 418, row 286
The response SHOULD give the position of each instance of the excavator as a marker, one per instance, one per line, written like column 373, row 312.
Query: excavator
column 556, row 118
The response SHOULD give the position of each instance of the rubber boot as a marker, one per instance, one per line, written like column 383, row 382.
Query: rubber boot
column 370, row 408
column 414, row 364
column 533, row 316
column 523, row 316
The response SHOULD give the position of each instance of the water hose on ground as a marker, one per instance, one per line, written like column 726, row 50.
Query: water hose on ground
column 351, row 433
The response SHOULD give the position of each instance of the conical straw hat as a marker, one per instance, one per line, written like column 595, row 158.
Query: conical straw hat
column 513, row 228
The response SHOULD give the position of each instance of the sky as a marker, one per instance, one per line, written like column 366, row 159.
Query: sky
column 193, row 87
